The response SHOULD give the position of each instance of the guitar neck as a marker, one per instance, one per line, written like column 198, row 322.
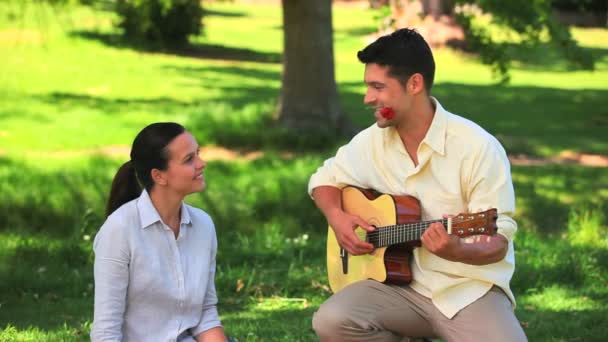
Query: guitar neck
column 391, row 235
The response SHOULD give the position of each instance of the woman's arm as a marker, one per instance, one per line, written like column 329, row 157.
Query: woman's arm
column 209, row 327
column 111, row 271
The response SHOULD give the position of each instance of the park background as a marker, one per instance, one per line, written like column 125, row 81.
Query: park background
column 74, row 92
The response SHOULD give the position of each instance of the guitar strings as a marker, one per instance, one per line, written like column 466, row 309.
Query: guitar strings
column 393, row 234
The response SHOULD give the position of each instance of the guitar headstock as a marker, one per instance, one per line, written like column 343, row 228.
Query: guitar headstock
column 482, row 223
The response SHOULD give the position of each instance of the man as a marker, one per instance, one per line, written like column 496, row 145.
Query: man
column 460, row 288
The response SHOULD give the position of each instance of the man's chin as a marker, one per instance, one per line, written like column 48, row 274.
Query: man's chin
column 382, row 123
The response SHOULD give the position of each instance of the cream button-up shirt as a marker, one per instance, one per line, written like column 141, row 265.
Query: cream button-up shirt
column 461, row 169
column 150, row 286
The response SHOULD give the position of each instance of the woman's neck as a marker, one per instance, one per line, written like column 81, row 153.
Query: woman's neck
column 168, row 206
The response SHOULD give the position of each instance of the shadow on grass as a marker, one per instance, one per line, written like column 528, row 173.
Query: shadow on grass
column 218, row 13
column 112, row 106
column 547, row 194
column 356, row 31
column 543, row 263
column 529, row 120
column 204, row 51
column 545, row 57
column 260, row 208
column 540, row 325
column 295, row 325
column 51, row 203
column 256, row 219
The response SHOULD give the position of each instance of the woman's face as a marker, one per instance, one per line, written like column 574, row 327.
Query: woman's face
column 184, row 173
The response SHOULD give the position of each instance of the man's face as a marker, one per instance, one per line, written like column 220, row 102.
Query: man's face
column 384, row 90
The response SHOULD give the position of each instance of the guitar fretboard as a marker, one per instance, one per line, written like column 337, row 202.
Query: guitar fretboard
column 400, row 233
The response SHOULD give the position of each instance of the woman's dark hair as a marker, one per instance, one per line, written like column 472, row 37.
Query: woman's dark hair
column 149, row 151
column 405, row 53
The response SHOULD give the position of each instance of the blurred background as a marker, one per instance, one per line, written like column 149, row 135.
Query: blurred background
column 271, row 89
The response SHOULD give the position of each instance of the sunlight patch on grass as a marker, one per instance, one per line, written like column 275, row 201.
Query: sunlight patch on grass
column 590, row 37
column 64, row 333
column 13, row 36
column 281, row 303
column 586, row 228
column 557, row 298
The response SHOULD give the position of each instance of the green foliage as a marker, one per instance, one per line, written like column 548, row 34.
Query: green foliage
column 168, row 22
column 580, row 5
column 529, row 19
column 383, row 16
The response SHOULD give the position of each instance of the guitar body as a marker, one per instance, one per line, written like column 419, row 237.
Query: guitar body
column 385, row 264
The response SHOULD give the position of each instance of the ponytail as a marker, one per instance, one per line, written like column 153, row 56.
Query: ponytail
column 125, row 188
column 148, row 152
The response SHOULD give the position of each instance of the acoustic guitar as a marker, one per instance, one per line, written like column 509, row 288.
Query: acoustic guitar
column 398, row 231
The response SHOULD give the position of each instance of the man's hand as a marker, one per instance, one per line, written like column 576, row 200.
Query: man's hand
column 437, row 240
column 476, row 250
column 344, row 226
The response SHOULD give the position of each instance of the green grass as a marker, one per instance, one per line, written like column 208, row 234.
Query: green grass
column 74, row 94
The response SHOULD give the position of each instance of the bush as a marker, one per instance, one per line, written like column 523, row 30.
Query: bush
column 580, row 5
column 168, row 22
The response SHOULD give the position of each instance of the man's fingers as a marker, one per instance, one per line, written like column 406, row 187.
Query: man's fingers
column 359, row 222
column 355, row 246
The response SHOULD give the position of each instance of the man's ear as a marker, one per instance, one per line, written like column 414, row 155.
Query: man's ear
column 158, row 177
column 415, row 84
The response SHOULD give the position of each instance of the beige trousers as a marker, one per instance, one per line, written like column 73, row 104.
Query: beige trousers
column 371, row 311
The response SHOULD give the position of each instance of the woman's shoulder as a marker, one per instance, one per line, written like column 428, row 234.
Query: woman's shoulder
column 121, row 219
column 199, row 217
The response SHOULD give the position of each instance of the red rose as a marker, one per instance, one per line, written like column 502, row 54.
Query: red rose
column 387, row 112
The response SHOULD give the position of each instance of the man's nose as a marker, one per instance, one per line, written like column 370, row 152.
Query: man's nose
column 369, row 97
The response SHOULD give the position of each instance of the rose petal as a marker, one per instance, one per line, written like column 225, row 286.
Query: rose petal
column 387, row 112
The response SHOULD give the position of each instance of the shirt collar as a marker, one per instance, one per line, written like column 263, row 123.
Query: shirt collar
column 148, row 215
column 436, row 135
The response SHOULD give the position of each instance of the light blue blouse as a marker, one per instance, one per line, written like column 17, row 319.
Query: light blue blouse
column 149, row 285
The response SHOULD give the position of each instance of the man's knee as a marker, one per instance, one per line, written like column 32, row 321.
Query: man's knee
column 328, row 320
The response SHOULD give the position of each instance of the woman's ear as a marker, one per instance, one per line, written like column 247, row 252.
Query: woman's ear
column 158, row 177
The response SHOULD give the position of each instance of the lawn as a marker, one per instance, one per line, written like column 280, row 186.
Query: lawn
column 74, row 95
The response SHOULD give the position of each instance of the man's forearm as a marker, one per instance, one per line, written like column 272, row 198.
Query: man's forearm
column 483, row 250
column 328, row 199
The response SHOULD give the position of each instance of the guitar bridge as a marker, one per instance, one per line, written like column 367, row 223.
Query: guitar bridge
column 344, row 257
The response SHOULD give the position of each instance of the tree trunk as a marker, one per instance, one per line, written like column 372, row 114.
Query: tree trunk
column 309, row 98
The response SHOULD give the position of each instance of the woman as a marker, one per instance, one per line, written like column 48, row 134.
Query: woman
column 155, row 255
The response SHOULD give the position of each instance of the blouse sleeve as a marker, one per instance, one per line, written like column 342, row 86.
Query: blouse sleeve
column 209, row 317
column 111, row 272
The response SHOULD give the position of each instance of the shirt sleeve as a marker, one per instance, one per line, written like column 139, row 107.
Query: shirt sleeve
column 490, row 186
column 345, row 168
column 111, row 272
column 209, row 317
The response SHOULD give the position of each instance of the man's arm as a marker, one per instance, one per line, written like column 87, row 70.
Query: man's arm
column 477, row 250
column 329, row 200
column 489, row 185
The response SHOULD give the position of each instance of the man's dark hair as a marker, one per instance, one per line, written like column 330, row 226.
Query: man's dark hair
column 405, row 53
